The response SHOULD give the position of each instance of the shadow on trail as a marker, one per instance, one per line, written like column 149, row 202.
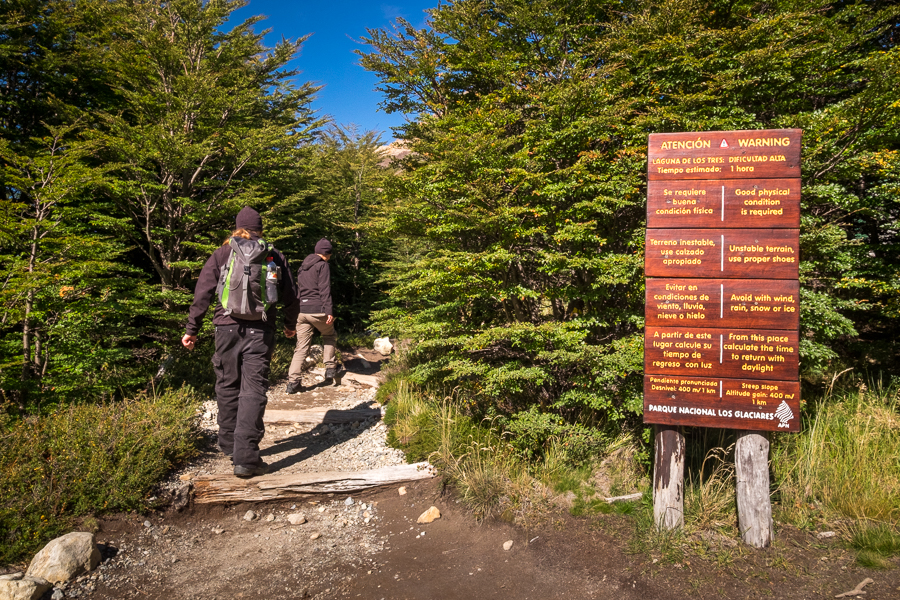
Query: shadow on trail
column 321, row 438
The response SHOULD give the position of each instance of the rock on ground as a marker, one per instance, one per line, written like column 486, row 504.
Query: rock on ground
column 23, row 588
column 383, row 346
column 65, row 557
column 429, row 515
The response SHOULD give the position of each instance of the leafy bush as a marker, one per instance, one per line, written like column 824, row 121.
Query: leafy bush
column 490, row 475
column 534, row 432
column 86, row 459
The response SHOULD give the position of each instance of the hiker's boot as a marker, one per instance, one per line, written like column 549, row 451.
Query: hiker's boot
column 251, row 471
column 333, row 375
column 294, row 387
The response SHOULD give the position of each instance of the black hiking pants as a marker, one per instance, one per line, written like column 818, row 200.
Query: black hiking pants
column 241, row 363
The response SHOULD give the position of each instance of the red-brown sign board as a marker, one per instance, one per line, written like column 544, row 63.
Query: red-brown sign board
column 722, row 352
column 760, row 154
column 723, row 203
column 724, row 253
column 763, row 405
column 738, row 303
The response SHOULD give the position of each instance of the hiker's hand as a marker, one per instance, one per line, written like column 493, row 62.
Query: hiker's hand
column 329, row 320
column 289, row 333
column 188, row 341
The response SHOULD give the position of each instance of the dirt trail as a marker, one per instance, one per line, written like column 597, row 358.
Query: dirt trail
column 370, row 546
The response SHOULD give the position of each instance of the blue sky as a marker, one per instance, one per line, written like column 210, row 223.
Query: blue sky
column 327, row 58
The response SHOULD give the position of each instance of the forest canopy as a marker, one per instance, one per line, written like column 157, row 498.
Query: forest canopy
column 506, row 246
column 131, row 134
column 524, row 193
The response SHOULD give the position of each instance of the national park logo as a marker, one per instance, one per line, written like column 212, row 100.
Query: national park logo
column 784, row 414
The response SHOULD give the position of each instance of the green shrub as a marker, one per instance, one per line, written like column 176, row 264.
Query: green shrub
column 480, row 459
column 86, row 459
column 533, row 432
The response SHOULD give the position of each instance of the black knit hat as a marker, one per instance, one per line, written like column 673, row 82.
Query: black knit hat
column 248, row 219
column 323, row 246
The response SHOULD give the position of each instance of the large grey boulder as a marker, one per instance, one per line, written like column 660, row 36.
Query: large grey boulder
column 17, row 587
column 66, row 557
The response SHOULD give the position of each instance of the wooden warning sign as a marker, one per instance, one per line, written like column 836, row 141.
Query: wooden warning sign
column 766, row 154
column 756, row 404
column 725, row 253
column 724, row 203
column 721, row 340
column 722, row 259
column 739, row 303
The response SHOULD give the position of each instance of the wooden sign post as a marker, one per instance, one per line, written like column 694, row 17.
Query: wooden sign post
column 721, row 344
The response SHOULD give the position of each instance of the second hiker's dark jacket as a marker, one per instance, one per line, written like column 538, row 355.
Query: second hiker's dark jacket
column 314, row 286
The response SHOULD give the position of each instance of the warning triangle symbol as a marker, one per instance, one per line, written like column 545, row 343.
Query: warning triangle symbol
column 724, row 144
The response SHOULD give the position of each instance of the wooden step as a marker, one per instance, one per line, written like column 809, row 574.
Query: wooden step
column 321, row 415
column 370, row 380
column 218, row 489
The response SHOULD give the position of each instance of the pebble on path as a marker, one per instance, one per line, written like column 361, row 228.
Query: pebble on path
column 402, row 490
column 429, row 515
column 249, row 515
column 507, row 544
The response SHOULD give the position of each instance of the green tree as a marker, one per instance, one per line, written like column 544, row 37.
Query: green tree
column 525, row 189
column 131, row 133
column 208, row 121
column 61, row 330
column 350, row 173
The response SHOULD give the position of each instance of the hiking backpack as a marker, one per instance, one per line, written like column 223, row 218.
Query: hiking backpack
column 248, row 284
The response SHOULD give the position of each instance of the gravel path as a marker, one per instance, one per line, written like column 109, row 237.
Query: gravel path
column 210, row 551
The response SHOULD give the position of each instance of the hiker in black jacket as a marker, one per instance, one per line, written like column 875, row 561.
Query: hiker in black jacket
column 243, row 349
column 316, row 313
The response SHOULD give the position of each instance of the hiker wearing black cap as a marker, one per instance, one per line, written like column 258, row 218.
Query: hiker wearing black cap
column 316, row 314
column 245, row 278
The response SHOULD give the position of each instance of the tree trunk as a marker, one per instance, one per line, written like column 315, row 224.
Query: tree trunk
column 36, row 356
column 751, row 461
column 668, row 478
column 27, row 334
column 27, row 330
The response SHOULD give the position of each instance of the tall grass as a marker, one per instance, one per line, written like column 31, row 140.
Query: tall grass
column 709, row 493
column 490, row 476
column 87, row 459
column 845, row 463
column 842, row 468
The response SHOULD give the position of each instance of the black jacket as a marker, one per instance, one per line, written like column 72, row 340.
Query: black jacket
column 314, row 286
column 205, row 294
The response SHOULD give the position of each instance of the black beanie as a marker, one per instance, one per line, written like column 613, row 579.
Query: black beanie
column 323, row 246
column 248, row 219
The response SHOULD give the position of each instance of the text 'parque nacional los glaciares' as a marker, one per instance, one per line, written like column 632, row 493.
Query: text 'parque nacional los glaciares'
column 722, row 260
